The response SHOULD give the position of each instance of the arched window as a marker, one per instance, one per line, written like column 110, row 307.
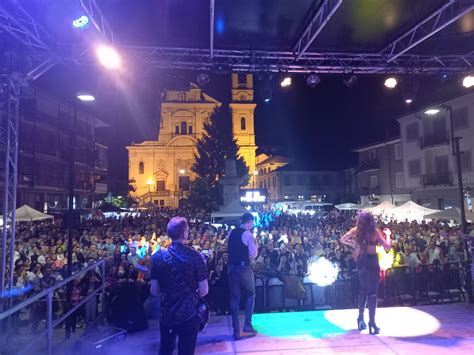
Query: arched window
column 184, row 128
column 141, row 167
column 242, row 124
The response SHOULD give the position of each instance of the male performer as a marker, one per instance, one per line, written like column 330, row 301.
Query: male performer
column 178, row 319
column 242, row 246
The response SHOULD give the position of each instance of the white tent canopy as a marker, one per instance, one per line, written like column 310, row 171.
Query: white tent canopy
column 451, row 214
column 27, row 214
column 348, row 207
column 382, row 208
column 411, row 211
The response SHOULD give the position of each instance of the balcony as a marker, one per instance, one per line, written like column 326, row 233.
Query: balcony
column 369, row 165
column 433, row 140
column 437, row 179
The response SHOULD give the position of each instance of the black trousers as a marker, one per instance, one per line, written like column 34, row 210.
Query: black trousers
column 368, row 270
column 241, row 277
column 186, row 333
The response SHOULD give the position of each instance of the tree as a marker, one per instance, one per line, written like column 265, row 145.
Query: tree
column 216, row 145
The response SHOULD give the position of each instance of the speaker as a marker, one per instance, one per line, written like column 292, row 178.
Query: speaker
column 127, row 311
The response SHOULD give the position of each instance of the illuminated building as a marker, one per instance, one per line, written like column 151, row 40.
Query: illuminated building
column 166, row 163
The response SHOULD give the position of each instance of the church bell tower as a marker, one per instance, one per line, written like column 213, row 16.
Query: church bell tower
column 243, row 108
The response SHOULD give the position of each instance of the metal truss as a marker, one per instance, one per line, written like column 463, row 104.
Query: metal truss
column 98, row 20
column 212, row 5
column 15, row 20
column 9, row 113
column 320, row 19
column 434, row 23
column 263, row 61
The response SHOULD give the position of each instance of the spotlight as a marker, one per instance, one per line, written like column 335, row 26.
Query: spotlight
column 468, row 81
column 203, row 79
column 391, row 82
column 351, row 81
column 322, row 272
column 313, row 80
column 108, row 56
column 408, row 101
column 80, row 22
column 267, row 89
column 286, row 82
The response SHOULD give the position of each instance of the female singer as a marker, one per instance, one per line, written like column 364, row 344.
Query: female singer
column 364, row 238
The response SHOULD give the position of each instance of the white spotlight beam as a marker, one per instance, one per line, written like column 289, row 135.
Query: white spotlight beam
column 441, row 18
column 320, row 19
column 100, row 23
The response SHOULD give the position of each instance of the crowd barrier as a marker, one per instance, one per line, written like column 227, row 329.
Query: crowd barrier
column 427, row 284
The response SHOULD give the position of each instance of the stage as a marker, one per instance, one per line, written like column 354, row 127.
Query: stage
column 434, row 329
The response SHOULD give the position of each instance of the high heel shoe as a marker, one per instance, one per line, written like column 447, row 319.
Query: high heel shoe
column 361, row 324
column 373, row 329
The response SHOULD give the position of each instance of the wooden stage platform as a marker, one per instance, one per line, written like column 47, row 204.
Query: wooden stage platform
column 434, row 329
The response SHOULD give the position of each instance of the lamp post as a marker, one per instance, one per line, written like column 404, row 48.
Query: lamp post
column 149, row 182
column 255, row 174
column 85, row 97
column 456, row 151
column 181, row 191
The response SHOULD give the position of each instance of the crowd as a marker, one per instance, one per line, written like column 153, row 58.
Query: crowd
column 288, row 244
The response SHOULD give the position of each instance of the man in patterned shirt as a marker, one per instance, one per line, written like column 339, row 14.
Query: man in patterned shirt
column 179, row 317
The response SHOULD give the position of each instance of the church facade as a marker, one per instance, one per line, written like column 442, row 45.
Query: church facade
column 160, row 170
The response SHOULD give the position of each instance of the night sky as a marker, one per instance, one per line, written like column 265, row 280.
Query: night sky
column 315, row 126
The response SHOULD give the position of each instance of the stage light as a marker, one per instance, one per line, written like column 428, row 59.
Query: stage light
column 431, row 111
column 408, row 101
column 385, row 258
column 286, row 82
column 322, row 272
column 203, row 79
column 351, row 81
column 468, row 81
column 267, row 91
column 391, row 82
column 108, row 56
column 83, row 96
column 313, row 80
column 80, row 22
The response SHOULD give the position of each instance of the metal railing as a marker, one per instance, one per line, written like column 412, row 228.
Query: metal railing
column 368, row 165
column 431, row 140
column 437, row 179
column 48, row 294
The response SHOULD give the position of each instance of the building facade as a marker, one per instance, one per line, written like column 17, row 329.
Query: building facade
column 44, row 152
column 429, row 165
column 292, row 182
column 161, row 169
column 380, row 175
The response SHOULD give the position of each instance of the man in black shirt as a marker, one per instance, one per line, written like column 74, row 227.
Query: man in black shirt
column 178, row 312
column 242, row 247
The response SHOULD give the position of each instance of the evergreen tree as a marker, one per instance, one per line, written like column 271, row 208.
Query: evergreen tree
column 216, row 145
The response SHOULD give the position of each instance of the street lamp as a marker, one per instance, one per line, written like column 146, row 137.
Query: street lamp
column 82, row 96
column 457, row 153
column 149, row 182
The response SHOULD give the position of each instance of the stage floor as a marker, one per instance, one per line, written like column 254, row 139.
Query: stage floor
column 435, row 329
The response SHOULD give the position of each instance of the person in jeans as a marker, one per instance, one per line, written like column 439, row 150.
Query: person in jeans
column 178, row 318
column 241, row 247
